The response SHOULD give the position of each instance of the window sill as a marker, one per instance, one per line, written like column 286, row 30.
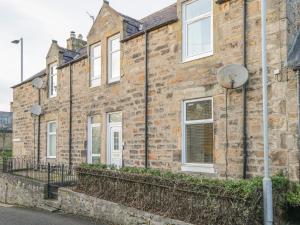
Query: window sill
column 110, row 83
column 201, row 56
column 198, row 168
column 51, row 157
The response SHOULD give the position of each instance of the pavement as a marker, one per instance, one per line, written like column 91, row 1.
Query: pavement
column 11, row 215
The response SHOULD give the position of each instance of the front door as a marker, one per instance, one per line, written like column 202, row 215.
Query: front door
column 115, row 144
column 93, row 141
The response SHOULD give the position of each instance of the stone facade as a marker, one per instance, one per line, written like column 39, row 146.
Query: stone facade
column 172, row 81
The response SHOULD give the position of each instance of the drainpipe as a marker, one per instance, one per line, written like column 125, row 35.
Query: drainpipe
column 70, row 115
column 245, row 144
column 298, row 92
column 39, row 133
column 146, row 99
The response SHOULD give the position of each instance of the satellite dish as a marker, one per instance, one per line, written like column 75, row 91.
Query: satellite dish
column 38, row 83
column 232, row 76
column 36, row 110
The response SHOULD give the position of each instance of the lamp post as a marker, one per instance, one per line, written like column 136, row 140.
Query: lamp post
column 267, row 182
column 21, row 42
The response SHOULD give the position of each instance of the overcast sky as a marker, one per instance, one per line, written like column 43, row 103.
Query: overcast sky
column 39, row 22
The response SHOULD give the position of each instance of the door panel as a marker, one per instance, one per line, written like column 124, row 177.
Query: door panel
column 115, row 145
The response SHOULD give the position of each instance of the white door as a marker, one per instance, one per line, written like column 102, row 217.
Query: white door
column 115, row 145
column 93, row 142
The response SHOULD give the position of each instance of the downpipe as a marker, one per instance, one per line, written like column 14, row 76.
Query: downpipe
column 146, row 99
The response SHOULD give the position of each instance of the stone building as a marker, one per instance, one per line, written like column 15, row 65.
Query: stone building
column 145, row 92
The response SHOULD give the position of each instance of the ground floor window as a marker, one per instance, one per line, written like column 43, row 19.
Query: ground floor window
column 198, row 131
column 94, row 140
column 51, row 140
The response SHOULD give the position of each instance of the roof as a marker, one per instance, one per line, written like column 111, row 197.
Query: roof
column 39, row 74
column 293, row 59
column 161, row 17
column 133, row 28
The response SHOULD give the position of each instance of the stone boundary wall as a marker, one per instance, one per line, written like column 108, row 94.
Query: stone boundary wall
column 84, row 205
column 21, row 191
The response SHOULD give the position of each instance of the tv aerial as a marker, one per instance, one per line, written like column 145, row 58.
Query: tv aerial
column 36, row 110
column 232, row 76
column 38, row 83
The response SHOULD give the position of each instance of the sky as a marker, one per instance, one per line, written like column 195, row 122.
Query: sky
column 41, row 21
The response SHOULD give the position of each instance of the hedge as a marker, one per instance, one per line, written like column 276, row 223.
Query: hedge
column 192, row 199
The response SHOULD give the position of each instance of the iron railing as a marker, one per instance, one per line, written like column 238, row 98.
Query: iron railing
column 55, row 175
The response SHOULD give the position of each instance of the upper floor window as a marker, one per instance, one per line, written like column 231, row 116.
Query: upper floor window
column 95, row 73
column 4, row 120
column 197, row 29
column 114, row 58
column 53, row 80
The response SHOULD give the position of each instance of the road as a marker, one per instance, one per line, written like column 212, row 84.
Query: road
column 21, row 216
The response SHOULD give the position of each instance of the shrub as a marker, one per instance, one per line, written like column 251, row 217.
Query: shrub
column 189, row 198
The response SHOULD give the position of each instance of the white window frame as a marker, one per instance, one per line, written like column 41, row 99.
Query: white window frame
column 48, row 140
column 195, row 167
column 92, row 63
column 186, row 23
column 54, row 94
column 92, row 125
column 110, row 52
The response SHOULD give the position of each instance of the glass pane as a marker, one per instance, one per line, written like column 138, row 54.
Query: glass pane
column 199, row 143
column 199, row 110
column 53, row 69
column 95, row 159
column 52, row 127
column 96, row 51
column 199, row 37
column 115, row 65
column 54, row 85
column 96, row 70
column 115, row 45
column 115, row 117
column 96, row 140
column 95, row 119
column 52, row 145
column 116, row 140
column 197, row 8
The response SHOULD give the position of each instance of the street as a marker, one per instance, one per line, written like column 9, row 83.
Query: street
column 22, row 216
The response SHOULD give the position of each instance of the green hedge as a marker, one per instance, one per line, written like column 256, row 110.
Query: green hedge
column 189, row 198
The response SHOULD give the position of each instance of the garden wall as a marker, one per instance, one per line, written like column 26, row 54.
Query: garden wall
column 21, row 191
column 84, row 205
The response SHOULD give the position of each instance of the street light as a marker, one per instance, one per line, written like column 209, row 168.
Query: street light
column 21, row 42
column 267, row 182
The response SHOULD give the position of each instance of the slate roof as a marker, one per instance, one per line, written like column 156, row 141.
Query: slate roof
column 133, row 27
column 156, row 19
column 39, row 74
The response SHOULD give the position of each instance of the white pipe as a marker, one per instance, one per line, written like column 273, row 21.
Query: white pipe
column 267, row 182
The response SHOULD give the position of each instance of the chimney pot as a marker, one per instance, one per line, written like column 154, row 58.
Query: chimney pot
column 72, row 34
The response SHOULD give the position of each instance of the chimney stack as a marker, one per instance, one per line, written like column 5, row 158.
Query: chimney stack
column 74, row 43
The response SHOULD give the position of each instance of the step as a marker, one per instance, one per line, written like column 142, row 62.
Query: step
column 48, row 208
column 52, row 203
